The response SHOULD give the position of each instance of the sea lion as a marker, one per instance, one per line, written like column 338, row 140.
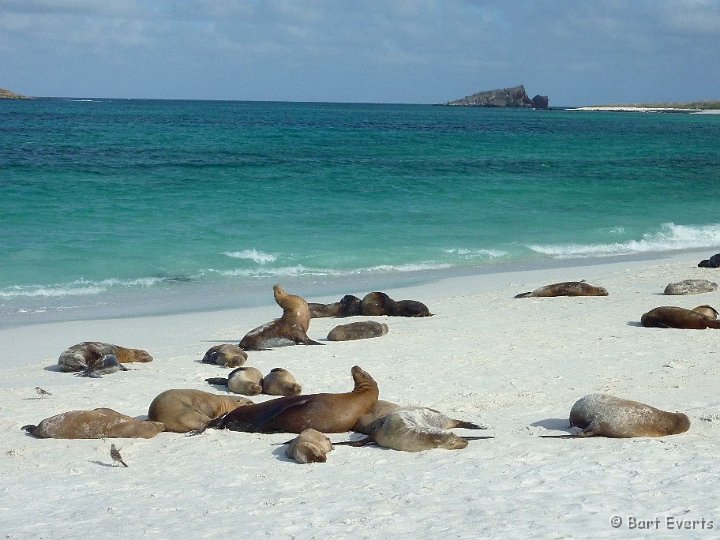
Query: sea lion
column 410, row 308
column 357, row 330
column 75, row 358
column 413, row 429
column 677, row 317
column 290, row 329
column 712, row 262
column 183, row 410
column 566, row 288
column 691, row 286
column 604, row 415
column 96, row 424
column 102, row 365
column 377, row 303
column 280, row 382
column 328, row 413
column 383, row 408
column 348, row 306
column 244, row 380
column 227, row 355
column 310, row 446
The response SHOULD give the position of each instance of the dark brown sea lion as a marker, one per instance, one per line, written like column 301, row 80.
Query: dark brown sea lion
column 227, row 355
column 76, row 357
column 379, row 303
column 183, row 410
column 566, row 288
column 357, row 330
column 348, row 306
column 290, row 329
column 310, row 446
column 328, row 413
column 712, row 262
column 677, row 317
column 280, row 382
column 96, row 424
column 410, row 308
column 244, row 380
column 604, row 415
column 102, row 365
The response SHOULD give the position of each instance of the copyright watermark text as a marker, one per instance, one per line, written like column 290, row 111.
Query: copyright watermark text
column 669, row 523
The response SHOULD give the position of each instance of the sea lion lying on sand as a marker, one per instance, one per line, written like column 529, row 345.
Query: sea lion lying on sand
column 310, row 446
column 102, row 365
column 244, row 380
column 712, row 262
column 290, row 329
column 604, row 415
column 698, row 318
column 357, row 330
column 280, row 382
column 328, row 413
column 227, row 355
column 566, row 288
column 78, row 356
column 411, row 429
column 183, row 410
column 348, row 306
column 96, row 424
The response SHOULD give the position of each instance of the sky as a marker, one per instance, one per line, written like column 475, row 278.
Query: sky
column 577, row 52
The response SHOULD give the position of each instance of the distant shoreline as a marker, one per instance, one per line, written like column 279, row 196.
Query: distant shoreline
column 632, row 108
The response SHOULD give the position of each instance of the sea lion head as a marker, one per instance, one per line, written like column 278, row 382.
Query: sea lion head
column 363, row 380
column 350, row 305
column 706, row 310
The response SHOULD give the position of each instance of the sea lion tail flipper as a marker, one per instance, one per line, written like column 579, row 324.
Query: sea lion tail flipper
column 308, row 341
column 217, row 380
column 468, row 425
column 524, row 295
column 568, row 436
column 29, row 428
column 477, row 437
column 358, row 442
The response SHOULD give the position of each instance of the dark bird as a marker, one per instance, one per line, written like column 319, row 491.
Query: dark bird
column 42, row 392
column 115, row 455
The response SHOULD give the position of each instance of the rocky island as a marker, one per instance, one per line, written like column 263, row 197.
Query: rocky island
column 7, row 94
column 503, row 97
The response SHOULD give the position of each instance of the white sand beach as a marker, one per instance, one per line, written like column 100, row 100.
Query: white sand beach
column 514, row 365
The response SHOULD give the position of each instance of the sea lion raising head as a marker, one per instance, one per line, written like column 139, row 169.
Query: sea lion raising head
column 290, row 329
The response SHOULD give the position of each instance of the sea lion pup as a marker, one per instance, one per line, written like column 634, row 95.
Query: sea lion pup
column 432, row 417
column 566, row 288
column 357, row 330
column 244, row 380
column 377, row 303
column 227, row 355
column 310, row 446
column 603, row 415
column 410, row 308
column 328, row 413
column 280, row 382
column 290, row 329
column 183, row 410
column 691, row 286
column 677, row 317
column 75, row 357
column 102, row 365
column 348, row 306
column 413, row 429
column 712, row 262
column 96, row 424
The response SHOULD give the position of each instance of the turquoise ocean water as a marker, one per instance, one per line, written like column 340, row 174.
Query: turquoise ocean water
column 127, row 207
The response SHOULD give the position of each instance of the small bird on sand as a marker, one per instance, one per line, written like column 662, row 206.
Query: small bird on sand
column 42, row 392
column 115, row 455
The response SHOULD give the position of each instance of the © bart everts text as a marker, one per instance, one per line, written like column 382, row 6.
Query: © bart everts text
column 669, row 523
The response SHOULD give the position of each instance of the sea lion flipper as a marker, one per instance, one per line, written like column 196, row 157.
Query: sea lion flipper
column 357, row 443
column 308, row 341
column 222, row 381
column 477, row 437
column 524, row 295
column 468, row 425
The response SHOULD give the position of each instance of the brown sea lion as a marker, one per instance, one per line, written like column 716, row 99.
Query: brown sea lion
column 280, row 382
column 96, row 424
column 227, row 355
column 691, row 286
column 310, row 446
column 348, row 306
column 76, row 357
column 244, row 380
column 290, row 329
column 357, row 330
column 183, row 410
column 566, row 288
column 328, row 413
column 603, row 415
column 677, row 317
column 410, row 308
column 376, row 304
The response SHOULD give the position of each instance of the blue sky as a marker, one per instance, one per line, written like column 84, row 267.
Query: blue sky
column 578, row 52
